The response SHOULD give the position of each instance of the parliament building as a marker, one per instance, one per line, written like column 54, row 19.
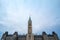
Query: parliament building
column 29, row 35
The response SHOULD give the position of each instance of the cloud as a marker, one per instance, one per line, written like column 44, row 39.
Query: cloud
column 14, row 15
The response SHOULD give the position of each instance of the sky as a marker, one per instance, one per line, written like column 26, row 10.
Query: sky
column 45, row 15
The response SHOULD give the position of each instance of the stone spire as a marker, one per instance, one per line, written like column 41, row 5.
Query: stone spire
column 30, row 35
column 29, row 26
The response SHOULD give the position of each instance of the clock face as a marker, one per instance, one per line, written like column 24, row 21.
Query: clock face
column 30, row 24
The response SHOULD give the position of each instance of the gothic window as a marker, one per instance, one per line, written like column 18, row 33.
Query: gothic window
column 29, row 36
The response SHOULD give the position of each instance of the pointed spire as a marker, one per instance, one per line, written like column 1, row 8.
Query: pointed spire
column 29, row 21
column 29, row 18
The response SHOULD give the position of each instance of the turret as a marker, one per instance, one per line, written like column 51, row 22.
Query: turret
column 55, row 36
column 4, row 36
column 15, row 36
column 44, row 36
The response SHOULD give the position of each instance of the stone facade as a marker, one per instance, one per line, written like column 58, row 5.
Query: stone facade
column 29, row 35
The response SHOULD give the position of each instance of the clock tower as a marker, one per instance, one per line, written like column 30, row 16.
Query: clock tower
column 29, row 35
column 29, row 26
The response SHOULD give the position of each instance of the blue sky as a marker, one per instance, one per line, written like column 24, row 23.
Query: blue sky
column 45, row 15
